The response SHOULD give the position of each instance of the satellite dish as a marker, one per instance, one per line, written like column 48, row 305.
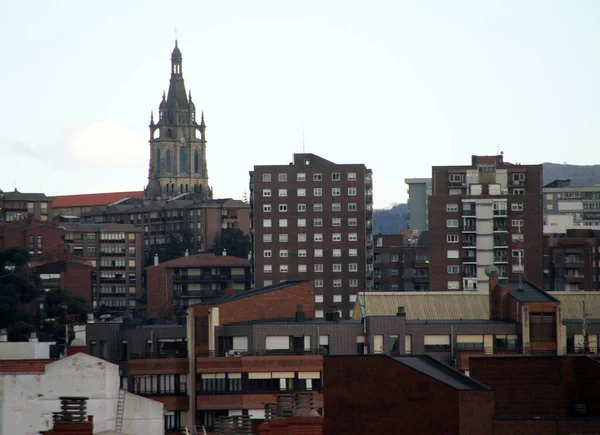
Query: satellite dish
column 492, row 271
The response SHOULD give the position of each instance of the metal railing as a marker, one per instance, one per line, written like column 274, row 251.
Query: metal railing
column 159, row 354
column 239, row 353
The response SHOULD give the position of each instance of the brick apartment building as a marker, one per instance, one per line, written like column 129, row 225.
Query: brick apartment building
column 174, row 286
column 39, row 238
column 16, row 206
column 400, row 265
column 116, row 252
column 571, row 261
column 312, row 219
column 486, row 213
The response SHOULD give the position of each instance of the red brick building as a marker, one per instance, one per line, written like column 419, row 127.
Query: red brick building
column 486, row 213
column 175, row 285
column 15, row 206
column 37, row 237
column 415, row 395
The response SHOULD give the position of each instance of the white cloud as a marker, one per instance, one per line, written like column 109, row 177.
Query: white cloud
column 106, row 143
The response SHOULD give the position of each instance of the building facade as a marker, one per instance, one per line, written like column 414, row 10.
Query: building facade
column 76, row 205
column 582, row 203
column 115, row 250
column 16, row 206
column 176, row 285
column 419, row 191
column 487, row 213
column 313, row 219
column 177, row 142
column 39, row 238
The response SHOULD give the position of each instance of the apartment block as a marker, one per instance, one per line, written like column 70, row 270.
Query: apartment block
column 571, row 261
column 115, row 250
column 16, row 206
column 312, row 219
column 419, row 191
column 174, row 286
column 39, row 238
column 581, row 203
column 387, row 262
column 487, row 213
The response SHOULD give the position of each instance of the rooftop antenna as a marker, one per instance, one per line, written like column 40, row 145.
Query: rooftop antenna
column 175, row 34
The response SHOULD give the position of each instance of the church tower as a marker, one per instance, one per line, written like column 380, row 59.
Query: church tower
column 177, row 143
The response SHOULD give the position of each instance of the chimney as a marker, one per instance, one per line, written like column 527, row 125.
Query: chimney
column 300, row 313
column 33, row 338
column 187, row 253
column 224, row 253
column 156, row 259
column 401, row 312
column 3, row 335
column 90, row 318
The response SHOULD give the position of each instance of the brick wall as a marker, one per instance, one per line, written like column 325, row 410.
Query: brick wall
column 159, row 283
column 292, row 426
column 546, row 427
column 78, row 280
column 476, row 412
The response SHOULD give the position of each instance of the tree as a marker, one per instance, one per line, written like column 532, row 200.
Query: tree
column 18, row 288
column 234, row 241
column 177, row 244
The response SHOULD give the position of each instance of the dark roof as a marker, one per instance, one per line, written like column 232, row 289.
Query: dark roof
column 528, row 292
column 253, row 292
column 286, row 321
column 205, row 260
column 441, row 372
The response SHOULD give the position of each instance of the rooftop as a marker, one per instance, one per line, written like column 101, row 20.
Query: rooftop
column 205, row 260
column 92, row 199
column 254, row 292
column 528, row 292
column 441, row 372
column 24, row 365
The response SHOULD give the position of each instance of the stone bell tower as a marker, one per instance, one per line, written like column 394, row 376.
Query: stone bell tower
column 177, row 143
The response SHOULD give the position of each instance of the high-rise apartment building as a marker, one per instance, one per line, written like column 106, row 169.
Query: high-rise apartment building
column 312, row 219
column 16, row 206
column 419, row 190
column 581, row 203
column 487, row 213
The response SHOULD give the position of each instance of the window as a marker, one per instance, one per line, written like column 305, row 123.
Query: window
column 283, row 268
column 318, row 268
column 469, row 342
column 352, row 206
column 337, row 267
column 440, row 343
column 267, row 223
column 452, row 253
column 267, row 208
column 452, row 270
column 283, row 223
column 337, row 252
column 335, row 191
column 301, row 253
column 521, row 191
column 283, row 253
column 351, row 176
column 318, row 222
column 317, row 177
column 337, row 298
column 283, row 238
column 318, row 283
column 518, row 223
column 336, row 237
column 282, row 178
column 352, row 222
column 267, row 253
column 452, row 223
column 518, row 177
column 353, row 267
column 318, row 237
column 318, row 299
column 267, row 268
column 282, row 192
column 266, row 192
column 302, row 222
column 266, row 178
column 267, row 238
column 353, row 252
column 318, row 252
column 336, row 176
column 353, row 283
column 352, row 191
column 451, row 207
column 301, row 176
column 317, row 191
column 516, row 206
column 301, row 192
column 395, row 258
column 319, row 314
column 517, row 237
column 302, row 237
column 283, row 207
column 516, row 253
column 301, row 207
column 336, row 206
column 518, row 268
column 353, row 237
column 452, row 238
column 455, row 178
column 336, row 222
column 317, row 206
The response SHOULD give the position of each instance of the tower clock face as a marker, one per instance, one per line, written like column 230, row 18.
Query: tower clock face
column 182, row 140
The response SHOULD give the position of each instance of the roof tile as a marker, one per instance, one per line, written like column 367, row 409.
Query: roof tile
column 92, row 199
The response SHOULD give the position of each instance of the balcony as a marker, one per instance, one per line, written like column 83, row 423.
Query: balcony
column 469, row 242
column 469, row 259
column 573, row 260
column 170, row 353
column 468, row 212
column 469, row 227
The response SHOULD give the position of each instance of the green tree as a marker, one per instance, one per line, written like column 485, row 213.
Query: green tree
column 234, row 241
column 178, row 242
column 18, row 288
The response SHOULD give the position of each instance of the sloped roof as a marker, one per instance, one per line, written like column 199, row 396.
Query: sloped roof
column 91, row 199
column 254, row 292
column 425, row 305
column 24, row 365
column 203, row 260
column 528, row 292
column 571, row 304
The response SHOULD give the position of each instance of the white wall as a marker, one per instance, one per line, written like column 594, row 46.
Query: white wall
column 25, row 350
column 27, row 401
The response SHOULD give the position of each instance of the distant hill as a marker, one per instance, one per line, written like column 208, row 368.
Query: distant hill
column 394, row 219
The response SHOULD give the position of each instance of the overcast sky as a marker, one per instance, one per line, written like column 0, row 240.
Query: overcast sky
column 397, row 85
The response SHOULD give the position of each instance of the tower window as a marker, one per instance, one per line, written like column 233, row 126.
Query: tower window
column 196, row 161
column 182, row 162
column 168, row 160
column 158, row 162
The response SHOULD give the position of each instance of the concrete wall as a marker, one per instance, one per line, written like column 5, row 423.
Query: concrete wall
column 28, row 400
column 25, row 350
